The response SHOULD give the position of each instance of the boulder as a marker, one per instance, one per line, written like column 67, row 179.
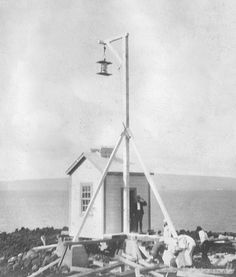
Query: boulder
column 35, row 268
column 16, row 266
column 12, row 260
column 64, row 269
column 31, row 254
column 20, row 255
column 79, row 256
column 2, row 260
column 26, row 262
column 46, row 260
column 9, row 266
column 36, row 261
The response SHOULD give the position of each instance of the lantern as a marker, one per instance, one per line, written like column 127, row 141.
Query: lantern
column 104, row 65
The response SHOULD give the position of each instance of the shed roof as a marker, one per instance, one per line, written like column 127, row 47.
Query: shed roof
column 100, row 162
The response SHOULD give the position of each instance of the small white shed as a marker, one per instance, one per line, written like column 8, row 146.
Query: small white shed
column 106, row 214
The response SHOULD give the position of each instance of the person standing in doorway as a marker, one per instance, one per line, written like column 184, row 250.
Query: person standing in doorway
column 139, row 212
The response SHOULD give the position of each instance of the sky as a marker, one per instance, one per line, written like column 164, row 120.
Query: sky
column 182, row 65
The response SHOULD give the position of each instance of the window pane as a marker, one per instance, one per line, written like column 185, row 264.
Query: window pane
column 85, row 196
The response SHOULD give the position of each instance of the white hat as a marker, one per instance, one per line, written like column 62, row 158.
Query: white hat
column 64, row 233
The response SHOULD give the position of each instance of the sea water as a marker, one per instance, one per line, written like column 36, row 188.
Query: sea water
column 32, row 209
column 213, row 210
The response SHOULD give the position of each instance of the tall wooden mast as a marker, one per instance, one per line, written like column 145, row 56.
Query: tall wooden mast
column 126, row 212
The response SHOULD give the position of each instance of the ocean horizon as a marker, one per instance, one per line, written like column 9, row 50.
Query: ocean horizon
column 214, row 210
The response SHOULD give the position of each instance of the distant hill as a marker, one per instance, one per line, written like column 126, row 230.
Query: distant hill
column 192, row 182
column 56, row 184
column 163, row 182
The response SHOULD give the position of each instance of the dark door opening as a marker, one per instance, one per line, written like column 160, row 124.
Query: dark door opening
column 132, row 201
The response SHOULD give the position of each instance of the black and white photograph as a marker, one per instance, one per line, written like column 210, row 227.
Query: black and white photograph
column 117, row 138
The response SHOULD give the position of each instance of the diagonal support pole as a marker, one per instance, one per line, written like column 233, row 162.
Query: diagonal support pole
column 153, row 187
column 99, row 185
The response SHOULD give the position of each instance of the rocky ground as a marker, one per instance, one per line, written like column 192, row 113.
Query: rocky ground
column 19, row 259
column 16, row 255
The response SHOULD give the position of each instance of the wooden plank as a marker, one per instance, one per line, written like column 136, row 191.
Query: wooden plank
column 134, row 265
column 42, row 269
column 114, row 235
column 104, row 205
column 143, row 237
column 181, row 273
column 128, row 262
column 196, row 271
column 147, row 265
column 98, row 270
column 89, row 242
column 212, row 271
column 79, row 269
column 166, row 269
column 131, row 258
column 132, row 273
column 155, row 273
column 204, row 272
column 144, row 252
column 43, row 247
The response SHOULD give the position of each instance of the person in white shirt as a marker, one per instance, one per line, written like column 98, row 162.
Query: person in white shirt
column 163, row 244
column 187, row 243
column 166, row 232
column 204, row 244
column 171, row 246
column 170, row 254
column 203, row 236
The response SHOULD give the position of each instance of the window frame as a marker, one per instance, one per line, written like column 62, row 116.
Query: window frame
column 85, row 198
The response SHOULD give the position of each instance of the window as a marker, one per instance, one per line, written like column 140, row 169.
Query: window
column 86, row 193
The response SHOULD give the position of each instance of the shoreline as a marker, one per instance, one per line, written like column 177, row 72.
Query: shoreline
column 24, row 239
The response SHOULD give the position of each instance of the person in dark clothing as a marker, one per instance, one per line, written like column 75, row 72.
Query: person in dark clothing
column 158, row 248
column 205, row 245
column 139, row 212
